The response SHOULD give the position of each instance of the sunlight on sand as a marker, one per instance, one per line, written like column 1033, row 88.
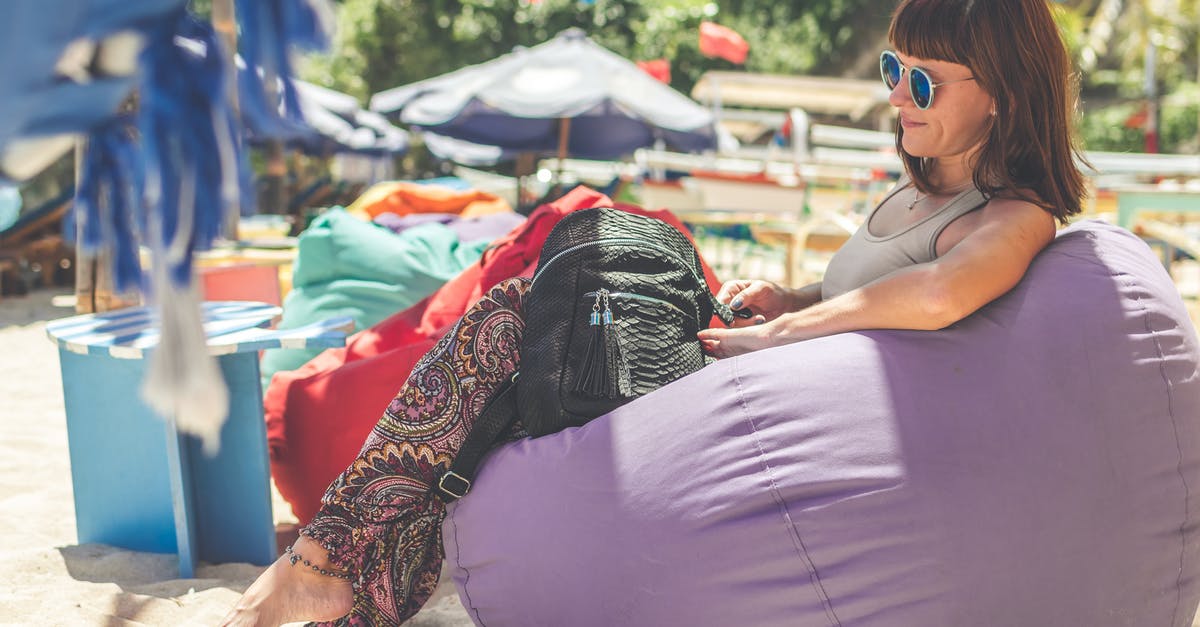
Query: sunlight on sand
column 48, row 578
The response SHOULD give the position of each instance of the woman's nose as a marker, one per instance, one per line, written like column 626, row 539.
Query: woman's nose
column 899, row 94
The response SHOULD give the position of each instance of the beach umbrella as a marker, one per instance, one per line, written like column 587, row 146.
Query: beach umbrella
column 464, row 152
column 325, row 122
column 341, row 124
column 566, row 96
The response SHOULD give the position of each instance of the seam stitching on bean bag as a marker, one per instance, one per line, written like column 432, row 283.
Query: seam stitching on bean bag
column 794, row 533
column 1187, row 494
column 458, row 562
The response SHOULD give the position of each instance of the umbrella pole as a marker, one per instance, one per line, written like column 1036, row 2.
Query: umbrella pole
column 85, row 264
column 274, row 202
column 525, row 164
column 95, row 289
column 564, row 138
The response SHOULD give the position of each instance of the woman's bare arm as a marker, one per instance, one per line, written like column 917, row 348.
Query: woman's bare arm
column 986, row 263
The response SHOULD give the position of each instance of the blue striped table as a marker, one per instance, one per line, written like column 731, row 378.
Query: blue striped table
column 138, row 483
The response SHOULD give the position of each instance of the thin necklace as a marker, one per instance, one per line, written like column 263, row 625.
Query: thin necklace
column 918, row 196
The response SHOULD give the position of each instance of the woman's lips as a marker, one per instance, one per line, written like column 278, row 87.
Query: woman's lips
column 907, row 123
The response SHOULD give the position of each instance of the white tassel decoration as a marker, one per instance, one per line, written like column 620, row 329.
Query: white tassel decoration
column 183, row 382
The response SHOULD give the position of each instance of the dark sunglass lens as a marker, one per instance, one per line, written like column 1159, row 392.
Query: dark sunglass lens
column 889, row 67
column 921, row 88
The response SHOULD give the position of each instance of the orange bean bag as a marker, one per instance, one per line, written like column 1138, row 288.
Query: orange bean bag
column 403, row 198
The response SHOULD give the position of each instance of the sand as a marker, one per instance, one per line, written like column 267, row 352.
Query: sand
column 46, row 577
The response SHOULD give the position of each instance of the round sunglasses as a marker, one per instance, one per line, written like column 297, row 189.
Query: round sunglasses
column 920, row 85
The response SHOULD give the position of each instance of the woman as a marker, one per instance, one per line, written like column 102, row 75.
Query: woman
column 984, row 100
column 989, row 168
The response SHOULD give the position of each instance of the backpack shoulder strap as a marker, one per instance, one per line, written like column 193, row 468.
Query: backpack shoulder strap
column 499, row 414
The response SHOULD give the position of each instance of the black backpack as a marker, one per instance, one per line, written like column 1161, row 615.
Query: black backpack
column 612, row 314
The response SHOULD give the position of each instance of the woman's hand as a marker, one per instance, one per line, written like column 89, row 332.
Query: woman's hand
column 767, row 300
column 771, row 303
column 723, row 343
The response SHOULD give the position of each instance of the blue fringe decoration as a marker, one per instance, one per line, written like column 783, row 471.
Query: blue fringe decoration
column 190, row 169
column 269, row 29
column 108, row 200
column 174, row 193
column 189, row 142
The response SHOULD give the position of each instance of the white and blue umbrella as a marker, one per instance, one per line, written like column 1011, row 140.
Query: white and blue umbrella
column 323, row 122
column 566, row 93
column 465, row 152
column 340, row 124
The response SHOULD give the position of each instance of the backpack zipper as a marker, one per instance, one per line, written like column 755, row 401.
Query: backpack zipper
column 615, row 240
column 632, row 296
column 699, row 277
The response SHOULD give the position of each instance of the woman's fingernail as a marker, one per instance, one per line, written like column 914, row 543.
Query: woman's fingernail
column 737, row 303
column 760, row 320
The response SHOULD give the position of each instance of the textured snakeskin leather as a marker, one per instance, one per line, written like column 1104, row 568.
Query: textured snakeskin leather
column 659, row 302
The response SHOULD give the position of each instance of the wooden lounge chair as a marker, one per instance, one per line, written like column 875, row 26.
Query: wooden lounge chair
column 34, row 243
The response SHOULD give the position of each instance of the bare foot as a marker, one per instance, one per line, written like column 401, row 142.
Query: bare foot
column 286, row 594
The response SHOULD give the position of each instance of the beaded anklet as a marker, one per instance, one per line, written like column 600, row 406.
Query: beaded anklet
column 294, row 557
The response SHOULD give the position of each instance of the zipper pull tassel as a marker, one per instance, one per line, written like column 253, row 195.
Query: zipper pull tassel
column 617, row 382
column 595, row 318
column 603, row 371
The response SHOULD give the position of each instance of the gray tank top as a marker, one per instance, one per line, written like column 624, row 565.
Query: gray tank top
column 866, row 257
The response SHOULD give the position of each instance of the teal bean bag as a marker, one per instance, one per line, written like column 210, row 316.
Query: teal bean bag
column 348, row 267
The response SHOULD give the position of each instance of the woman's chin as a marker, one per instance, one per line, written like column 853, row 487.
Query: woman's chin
column 916, row 148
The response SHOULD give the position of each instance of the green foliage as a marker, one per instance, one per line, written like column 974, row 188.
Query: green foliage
column 1180, row 119
column 200, row 8
column 382, row 44
column 806, row 36
column 387, row 43
column 1104, row 128
column 1112, row 50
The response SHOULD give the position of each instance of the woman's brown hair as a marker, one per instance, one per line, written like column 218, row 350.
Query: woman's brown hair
column 1017, row 56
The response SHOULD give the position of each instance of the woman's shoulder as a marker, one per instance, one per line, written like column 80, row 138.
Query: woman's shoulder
column 1019, row 212
column 1011, row 204
column 1023, row 198
column 1005, row 216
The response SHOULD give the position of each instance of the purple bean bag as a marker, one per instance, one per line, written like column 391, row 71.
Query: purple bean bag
column 1030, row 466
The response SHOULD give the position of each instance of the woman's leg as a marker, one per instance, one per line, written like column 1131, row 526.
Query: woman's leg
column 379, row 521
column 287, row 593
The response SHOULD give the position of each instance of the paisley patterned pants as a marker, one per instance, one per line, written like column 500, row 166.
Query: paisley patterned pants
column 379, row 520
